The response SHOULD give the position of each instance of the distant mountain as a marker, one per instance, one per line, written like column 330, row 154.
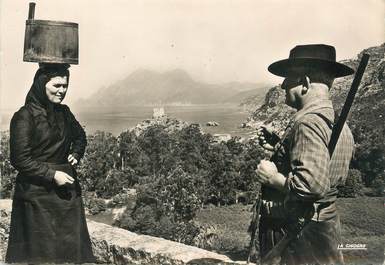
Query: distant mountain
column 256, row 94
column 145, row 87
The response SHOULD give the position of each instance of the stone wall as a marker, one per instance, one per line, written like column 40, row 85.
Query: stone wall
column 114, row 245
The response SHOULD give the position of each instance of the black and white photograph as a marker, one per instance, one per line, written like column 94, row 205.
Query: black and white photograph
column 198, row 132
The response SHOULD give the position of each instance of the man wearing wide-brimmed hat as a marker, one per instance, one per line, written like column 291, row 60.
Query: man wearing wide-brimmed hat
column 300, row 181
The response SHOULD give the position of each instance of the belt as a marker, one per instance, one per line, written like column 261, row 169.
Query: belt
column 275, row 210
column 324, row 211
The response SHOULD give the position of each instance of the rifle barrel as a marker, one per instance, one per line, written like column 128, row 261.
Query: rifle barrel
column 348, row 104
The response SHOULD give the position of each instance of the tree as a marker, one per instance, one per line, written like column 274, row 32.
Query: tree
column 193, row 147
column 353, row 185
column 223, row 175
column 165, row 207
column 116, row 182
column 378, row 185
column 252, row 155
column 160, row 148
column 370, row 160
column 7, row 172
column 99, row 159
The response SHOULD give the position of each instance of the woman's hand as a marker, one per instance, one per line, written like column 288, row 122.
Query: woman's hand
column 72, row 160
column 61, row 178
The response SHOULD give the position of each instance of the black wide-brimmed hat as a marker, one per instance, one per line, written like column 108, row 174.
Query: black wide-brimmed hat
column 305, row 58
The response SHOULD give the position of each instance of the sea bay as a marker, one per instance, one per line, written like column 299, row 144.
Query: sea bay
column 115, row 120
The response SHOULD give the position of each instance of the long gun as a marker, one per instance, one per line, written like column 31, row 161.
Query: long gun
column 256, row 210
column 254, row 226
column 275, row 253
column 348, row 104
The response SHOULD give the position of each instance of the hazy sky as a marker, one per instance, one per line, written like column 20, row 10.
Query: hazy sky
column 215, row 41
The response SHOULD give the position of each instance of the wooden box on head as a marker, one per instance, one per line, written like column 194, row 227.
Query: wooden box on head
column 49, row 41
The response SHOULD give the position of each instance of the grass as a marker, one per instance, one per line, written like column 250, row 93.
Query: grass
column 232, row 223
column 362, row 223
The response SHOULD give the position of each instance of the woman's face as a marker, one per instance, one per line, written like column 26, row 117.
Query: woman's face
column 56, row 89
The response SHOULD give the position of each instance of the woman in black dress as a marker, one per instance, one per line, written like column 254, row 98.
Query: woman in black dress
column 46, row 141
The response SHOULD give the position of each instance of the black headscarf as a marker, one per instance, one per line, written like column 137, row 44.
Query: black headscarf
column 37, row 94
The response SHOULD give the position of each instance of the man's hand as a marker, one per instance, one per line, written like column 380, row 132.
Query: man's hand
column 267, row 138
column 61, row 178
column 72, row 160
column 268, row 175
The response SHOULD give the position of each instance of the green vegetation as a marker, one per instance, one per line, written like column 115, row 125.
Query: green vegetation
column 165, row 207
column 178, row 172
column 353, row 185
column 362, row 221
column 113, row 164
column 181, row 176
column 173, row 172
column 368, row 129
column 7, row 172
column 231, row 224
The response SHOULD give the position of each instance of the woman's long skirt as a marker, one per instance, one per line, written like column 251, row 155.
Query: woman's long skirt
column 48, row 223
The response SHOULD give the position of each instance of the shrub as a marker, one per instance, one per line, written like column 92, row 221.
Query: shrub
column 207, row 237
column 353, row 185
column 93, row 204
column 7, row 172
column 165, row 207
column 378, row 185
column 99, row 159
column 113, row 164
column 116, row 181
column 370, row 159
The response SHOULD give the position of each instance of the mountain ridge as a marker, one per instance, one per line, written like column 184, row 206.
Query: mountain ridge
column 148, row 87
